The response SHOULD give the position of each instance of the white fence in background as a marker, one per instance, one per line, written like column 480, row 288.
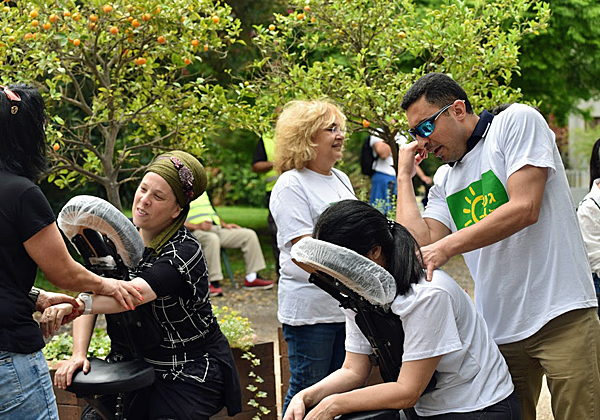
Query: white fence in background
column 578, row 178
column 579, row 183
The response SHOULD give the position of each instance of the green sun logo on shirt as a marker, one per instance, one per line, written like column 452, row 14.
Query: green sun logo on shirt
column 475, row 202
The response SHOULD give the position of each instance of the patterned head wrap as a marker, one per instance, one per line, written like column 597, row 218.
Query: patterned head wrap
column 187, row 178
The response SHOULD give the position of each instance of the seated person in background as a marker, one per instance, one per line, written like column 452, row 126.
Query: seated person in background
column 444, row 334
column 195, row 371
column 213, row 234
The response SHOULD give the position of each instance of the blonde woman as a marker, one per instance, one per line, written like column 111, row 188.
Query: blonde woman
column 309, row 138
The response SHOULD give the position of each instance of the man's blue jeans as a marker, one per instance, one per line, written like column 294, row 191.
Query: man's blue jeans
column 314, row 352
column 26, row 387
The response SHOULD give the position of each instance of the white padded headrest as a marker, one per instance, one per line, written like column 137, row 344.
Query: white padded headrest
column 85, row 211
column 358, row 273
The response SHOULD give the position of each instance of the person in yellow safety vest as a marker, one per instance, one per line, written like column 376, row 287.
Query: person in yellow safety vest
column 262, row 163
column 214, row 233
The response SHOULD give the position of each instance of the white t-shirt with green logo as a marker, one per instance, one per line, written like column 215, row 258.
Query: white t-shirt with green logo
column 540, row 272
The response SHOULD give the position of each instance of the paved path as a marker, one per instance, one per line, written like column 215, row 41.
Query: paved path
column 260, row 306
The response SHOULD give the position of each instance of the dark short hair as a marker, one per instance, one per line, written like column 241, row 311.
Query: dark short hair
column 595, row 163
column 22, row 135
column 438, row 89
column 360, row 227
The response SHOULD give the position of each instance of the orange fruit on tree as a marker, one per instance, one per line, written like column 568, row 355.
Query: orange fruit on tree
column 401, row 34
column 307, row 7
column 130, row 8
column 366, row 123
column 77, row 42
column 271, row 27
column 53, row 18
column 107, row 8
column 114, row 30
column 33, row 14
column 66, row 13
column 28, row 35
column 216, row 19
column 11, row 38
column 161, row 39
column 76, row 16
column 187, row 61
column 313, row 19
column 300, row 16
column 92, row 25
column 6, row 9
column 47, row 25
column 93, row 18
column 157, row 10
column 56, row 146
column 135, row 23
column 146, row 17
column 195, row 42
column 35, row 23
column 140, row 61
column 205, row 47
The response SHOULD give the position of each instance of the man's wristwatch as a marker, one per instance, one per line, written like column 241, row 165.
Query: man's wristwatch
column 87, row 301
column 34, row 294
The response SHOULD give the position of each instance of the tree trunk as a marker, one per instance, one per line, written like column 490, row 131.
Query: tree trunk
column 112, row 192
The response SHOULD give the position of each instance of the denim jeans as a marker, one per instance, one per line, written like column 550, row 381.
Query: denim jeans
column 314, row 352
column 26, row 387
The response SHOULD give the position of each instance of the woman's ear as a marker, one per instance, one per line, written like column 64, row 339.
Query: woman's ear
column 374, row 254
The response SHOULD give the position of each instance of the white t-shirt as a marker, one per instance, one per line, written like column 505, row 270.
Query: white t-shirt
column 540, row 272
column 297, row 201
column 588, row 214
column 439, row 319
column 386, row 165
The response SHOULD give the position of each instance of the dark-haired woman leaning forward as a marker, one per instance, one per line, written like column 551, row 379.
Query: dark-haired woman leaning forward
column 444, row 333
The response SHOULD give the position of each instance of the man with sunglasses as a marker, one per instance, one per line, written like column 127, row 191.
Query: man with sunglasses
column 504, row 203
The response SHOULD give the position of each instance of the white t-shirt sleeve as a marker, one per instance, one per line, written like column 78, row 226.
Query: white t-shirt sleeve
column 526, row 140
column 292, row 212
column 428, row 335
column 437, row 208
column 356, row 342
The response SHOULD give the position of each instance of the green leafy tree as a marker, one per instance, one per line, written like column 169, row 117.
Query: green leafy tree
column 561, row 66
column 122, row 79
column 364, row 54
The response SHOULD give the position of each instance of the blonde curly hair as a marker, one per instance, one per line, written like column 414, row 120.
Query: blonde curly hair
column 296, row 126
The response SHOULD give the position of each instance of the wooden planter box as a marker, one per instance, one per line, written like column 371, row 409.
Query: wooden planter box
column 70, row 407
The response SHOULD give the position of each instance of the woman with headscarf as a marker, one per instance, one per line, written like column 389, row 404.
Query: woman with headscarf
column 30, row 239
column 195, row 371
column 309, row 139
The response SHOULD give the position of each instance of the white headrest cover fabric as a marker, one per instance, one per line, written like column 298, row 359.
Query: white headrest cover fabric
column 358, row 273
column 84, row 211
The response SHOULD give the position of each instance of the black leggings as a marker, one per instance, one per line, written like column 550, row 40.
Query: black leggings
column 507, row 409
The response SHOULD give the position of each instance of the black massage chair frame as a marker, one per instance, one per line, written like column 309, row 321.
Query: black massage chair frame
column 111, row 378
column 383, row 329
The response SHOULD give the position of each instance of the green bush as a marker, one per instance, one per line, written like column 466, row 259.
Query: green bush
column 61, row 346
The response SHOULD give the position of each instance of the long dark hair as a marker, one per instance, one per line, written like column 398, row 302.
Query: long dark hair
column 595, row 163
column 357, row 226
column 22, row 134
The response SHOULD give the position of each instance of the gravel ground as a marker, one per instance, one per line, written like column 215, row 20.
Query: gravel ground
column 260, row 306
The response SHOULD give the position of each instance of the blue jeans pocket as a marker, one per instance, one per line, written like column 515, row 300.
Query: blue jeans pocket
column 12, row 393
